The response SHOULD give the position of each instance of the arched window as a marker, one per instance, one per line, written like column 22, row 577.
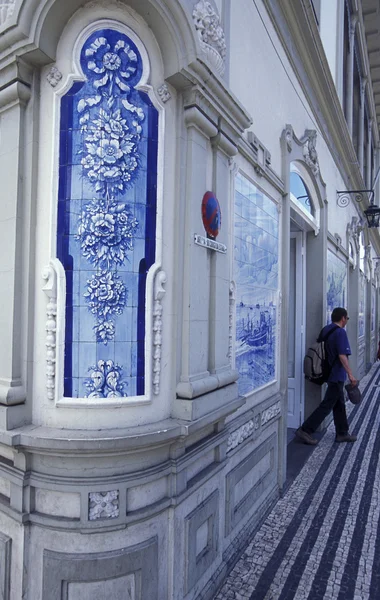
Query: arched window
column 303, row 197
column 300, row 192
column 106, row 217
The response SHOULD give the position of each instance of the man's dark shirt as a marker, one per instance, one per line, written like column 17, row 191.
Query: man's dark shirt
column 336, row 344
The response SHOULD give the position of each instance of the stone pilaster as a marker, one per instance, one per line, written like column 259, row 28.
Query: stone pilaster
column 219, row 362
column 14, row 97
column 195, row 378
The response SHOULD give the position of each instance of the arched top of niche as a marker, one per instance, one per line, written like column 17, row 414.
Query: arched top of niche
column 300, row 157
column 35, row 27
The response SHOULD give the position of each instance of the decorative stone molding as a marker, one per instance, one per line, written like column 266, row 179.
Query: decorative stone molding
column 127, row 565
column 211, row 34
column 338, row 240
column 263, row 156
column 363, row 85
column 353, row 20
column 5, row 566
column 163, row 92
column 244, row 432
column 54, row 76
column 288, row 134
column 231, row 318
column 50, row 289
column 309, row 151
column 270, row 413
column 6, row 10
column 104, row 4
column 377, row 272
column 103, row 505
column 159, row 293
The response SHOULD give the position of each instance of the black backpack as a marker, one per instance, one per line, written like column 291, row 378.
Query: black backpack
column 316, row 367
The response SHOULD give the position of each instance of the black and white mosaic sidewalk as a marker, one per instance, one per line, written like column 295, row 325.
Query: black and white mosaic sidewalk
column 322, row 539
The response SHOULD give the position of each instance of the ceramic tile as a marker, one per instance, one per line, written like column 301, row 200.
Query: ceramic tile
column 123, row 357
column 132, row 387
column 86, row 325
column 134, row 354
column 140, row 216
column 87, row 357
column 139, row 252
column 106, row 150
column 256, row 276
column 336, row 284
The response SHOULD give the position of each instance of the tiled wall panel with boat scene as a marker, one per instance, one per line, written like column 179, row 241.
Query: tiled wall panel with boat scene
column 256, row 238
column 336, row 284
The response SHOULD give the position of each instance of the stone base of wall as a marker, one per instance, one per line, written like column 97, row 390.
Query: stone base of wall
column 85, row 517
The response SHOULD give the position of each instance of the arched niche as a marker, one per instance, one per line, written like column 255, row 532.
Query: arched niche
column 104, row 130
column 35, row 27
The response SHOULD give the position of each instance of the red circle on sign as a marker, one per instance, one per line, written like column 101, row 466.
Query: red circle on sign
column 211, row 214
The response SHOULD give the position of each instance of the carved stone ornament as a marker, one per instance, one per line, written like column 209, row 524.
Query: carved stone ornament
column 270, row 413
column 244, row 432
column 6, row 10
column 211, row 34
column 103, row 505
column 159, row 293
column 50, row 290
column 163, row 92
column 289, row 137
column 310, row 153
column 377, row 271
column 54, row 76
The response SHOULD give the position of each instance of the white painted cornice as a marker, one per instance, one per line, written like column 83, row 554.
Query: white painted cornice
column 214, row 99
column 297, row 29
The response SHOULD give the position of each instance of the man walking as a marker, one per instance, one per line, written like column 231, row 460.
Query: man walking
column 338, row 349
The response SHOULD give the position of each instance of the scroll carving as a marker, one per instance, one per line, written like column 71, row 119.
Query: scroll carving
column 159, row 293
column 163, row 92
column 6, row 10
column 310, row 152
column 54, row 76
column 50, row 289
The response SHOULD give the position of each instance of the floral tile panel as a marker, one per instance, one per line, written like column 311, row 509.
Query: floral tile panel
column 106, row 218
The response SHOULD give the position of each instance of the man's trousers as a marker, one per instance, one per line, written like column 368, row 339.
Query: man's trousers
column 333, row 401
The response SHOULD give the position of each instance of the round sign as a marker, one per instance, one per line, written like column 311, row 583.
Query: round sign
column 211, row 214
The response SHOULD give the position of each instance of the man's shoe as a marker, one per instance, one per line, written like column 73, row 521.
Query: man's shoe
column 346, row 438
column 305, row 437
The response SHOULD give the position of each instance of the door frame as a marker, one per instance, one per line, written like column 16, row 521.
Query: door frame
column 300, row 312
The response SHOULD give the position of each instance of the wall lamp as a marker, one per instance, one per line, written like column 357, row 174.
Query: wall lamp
column 372, row 213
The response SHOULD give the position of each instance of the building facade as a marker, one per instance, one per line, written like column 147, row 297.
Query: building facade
column 184, row 194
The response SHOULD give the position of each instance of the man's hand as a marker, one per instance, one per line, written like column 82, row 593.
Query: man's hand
column 344, row 360
column 353, row 380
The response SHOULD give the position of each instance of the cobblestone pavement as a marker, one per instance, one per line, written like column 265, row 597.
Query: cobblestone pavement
column 322, row 539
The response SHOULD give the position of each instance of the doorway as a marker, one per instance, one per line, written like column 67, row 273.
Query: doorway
column 296, row 334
